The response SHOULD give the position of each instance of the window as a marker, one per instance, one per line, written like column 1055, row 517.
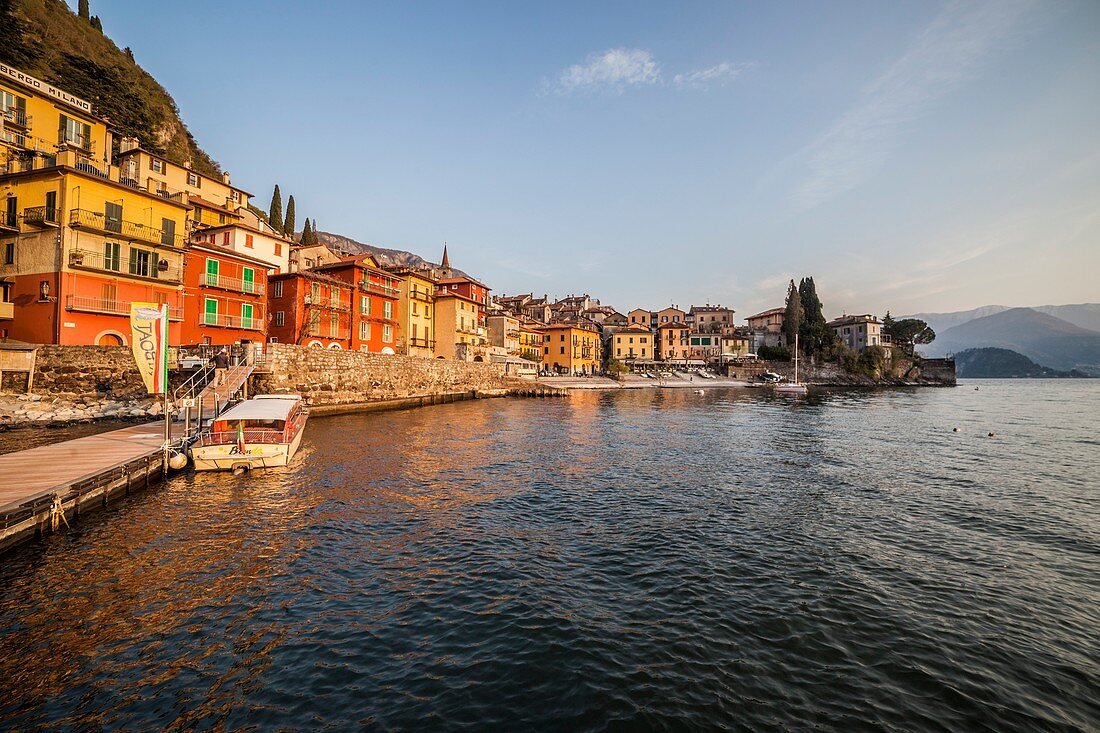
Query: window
column 212, row 271
column 74, row 132
column 387, row 334
column 156, row 165
column 225, row 238
column 563, row 349
column 9, row 253
column 387, row 309
column 280, row 316
column 246, row 315
column 112, row 217
column 51, row 206
column 546, row 349
column 364, row 305
column 334, row 324
column 109, row 293
column 248, row 280
column 364, row 330
column 334, row 297
column 210, row 312
column 112, row 256
column 278, row 249
column 315, row 291
column 562, row 337
column 414, row 310
column 277, row 289
column 143, row 262
column 193, row 180
column 248, row 241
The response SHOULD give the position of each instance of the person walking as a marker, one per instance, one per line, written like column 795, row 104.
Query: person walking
column 221, row 365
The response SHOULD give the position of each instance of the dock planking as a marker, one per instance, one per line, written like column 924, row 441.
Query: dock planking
column 49, row 469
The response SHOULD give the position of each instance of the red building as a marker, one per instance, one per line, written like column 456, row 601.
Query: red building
column 224, row 296
column 374, row 323
column 311, row 309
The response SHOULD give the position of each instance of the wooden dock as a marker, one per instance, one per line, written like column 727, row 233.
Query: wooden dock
column 42, row 488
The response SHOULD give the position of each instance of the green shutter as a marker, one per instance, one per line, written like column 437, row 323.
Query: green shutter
column 211, row 272
column 249, row 279
column 211, row 315
column 246, row 315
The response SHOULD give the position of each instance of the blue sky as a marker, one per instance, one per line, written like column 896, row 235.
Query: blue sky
column 910, row 156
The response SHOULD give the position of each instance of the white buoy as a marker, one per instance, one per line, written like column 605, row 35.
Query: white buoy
column 176, row 461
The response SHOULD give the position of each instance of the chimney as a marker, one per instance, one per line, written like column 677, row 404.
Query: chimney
column 127, row 144
column 187, row 164
column 225, row 177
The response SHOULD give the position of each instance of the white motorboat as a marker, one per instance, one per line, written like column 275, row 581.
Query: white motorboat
column 258, row 433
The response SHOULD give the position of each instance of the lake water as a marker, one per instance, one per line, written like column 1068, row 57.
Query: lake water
column 636, row 560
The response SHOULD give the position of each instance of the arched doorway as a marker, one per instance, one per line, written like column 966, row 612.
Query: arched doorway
column 110, row 338
column 335, row 346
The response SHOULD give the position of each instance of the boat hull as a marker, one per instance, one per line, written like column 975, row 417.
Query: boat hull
column 230, row 457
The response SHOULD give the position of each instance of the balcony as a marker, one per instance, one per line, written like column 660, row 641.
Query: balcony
column 227, row 321
column 98, row 221
column 378, row 319
column 161, row 271
column 9, row 221
column 239, row 285
column 7, row 311
column 329, row 332
column 421, row 343
column 89, row 304
column 386, row 290
column 17, row 118
column 326, row 303
column 43, row 216
column 422, row 295
column 80, row 142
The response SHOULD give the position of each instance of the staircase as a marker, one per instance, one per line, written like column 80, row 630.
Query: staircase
column 214, row 399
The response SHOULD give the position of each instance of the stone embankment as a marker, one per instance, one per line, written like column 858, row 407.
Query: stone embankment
column 80, row 383
column 902, row 372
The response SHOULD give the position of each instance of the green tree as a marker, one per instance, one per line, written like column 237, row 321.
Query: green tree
column 97, row 23
column 288, row 223
column 83, row 10
column 307, row 234
column 792, row 320
column 888, row 324
column 908, row 332
column 275, row 215
column 814, row 333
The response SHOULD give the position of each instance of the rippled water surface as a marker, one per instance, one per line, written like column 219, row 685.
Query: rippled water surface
column 643, row 560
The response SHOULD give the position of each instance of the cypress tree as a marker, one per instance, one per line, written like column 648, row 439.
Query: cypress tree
column 97, row 24
column 814, row 334
column 307, row 233
column 83, row 10
column 792, row 320
column 288, row 223
column 275, row 215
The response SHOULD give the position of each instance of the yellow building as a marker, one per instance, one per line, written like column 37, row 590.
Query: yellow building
column 78, row 241
column 218, row 201
column 632, row 342
column 415, row 311
column 531, row 337
column 572, row 347
column 457, row 333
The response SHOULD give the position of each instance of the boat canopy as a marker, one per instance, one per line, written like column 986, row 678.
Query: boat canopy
column 268, row 408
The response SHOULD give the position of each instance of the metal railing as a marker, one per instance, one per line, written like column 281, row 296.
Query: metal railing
column 378, row 288
column 228, row 321
column 329, row 332
column 110, row 307
column 9, row 220
column 421, row 342
column 99, row 261
column 327, row 303
column 131, row 229
column 233, row 283
column 41, row 215
column 421, row 295
column 17, row 117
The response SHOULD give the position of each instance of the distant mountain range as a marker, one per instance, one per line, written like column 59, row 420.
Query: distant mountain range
column 1003, row 364
column 385, row 256
column 1084, row 315
column 1052, row 341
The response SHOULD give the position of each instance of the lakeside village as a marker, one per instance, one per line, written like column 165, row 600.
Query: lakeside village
column 90, row 224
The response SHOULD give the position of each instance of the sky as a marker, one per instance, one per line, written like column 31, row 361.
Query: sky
column 917, row 156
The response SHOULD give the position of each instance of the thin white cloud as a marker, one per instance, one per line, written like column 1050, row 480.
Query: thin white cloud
column 947, row 53
column 719, row 74
column 613, row 70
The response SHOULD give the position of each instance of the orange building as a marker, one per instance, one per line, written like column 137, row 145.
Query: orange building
column 672, row 342
column 310, row 309
column 374, row 322
column 224, row 296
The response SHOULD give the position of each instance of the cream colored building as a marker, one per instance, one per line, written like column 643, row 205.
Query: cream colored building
column 858, row 332
column 416, row 311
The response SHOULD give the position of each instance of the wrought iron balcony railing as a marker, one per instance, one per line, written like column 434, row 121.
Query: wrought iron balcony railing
column 227, row 321
column 386, row 290
column 155, row 269
column 41, row 215
column 99, row 221
column 111, row 307
column 240, row 285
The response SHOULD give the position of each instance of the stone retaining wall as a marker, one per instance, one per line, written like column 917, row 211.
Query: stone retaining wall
column 335, row 377
column 904, row 371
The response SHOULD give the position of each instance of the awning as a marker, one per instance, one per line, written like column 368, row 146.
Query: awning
column 262, row 409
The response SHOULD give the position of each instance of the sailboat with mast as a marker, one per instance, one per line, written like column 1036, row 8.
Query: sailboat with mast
column 795, row 387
